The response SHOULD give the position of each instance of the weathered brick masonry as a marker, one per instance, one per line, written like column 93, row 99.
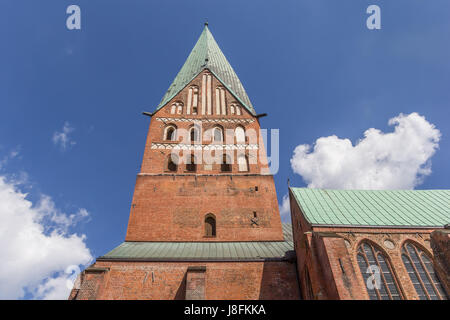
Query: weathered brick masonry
column 201, row 229
column 327, row 254
column 179, row 206
column 168, row 280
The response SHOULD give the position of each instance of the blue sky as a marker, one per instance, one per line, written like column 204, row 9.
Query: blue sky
column 313, row 66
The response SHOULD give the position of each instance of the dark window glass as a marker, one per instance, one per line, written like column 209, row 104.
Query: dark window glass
column 170, row 134
column 191, row 166
column 373, row 265
column 226, row 163
column 422, row 274
column 210, row 226
column 194, row 135
column 171, row 164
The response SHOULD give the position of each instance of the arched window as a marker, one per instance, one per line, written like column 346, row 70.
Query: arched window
column 240, row 134
column 226, row 163
column 379, row 278
column 232, row 109
column 172, row 163
column 170, row 133
column 194, row 134
column 242, row 162
column 191, row 164
column 173, row 109
column 238, row 110
column 210, row 225
column 422, row 274
column 217, row 134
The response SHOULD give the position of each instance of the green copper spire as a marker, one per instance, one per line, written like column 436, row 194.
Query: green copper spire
column 206, row 54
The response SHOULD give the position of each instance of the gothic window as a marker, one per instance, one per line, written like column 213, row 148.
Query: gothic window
column 210, row 225
column 170, row 133
column 422, row 274
column 379, row 278
column 194, row 134
column 218, row 134
column 232, row 109
column 191, row 164
column 226, row 163
column 177, row 108
column 240, row 134
column 242, row 162
column 172, row 163
column 238, row 110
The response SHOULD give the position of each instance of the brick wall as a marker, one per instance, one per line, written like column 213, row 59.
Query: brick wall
column 174, row 208
column 329, row 256
column 440, row 243
column 223, row 280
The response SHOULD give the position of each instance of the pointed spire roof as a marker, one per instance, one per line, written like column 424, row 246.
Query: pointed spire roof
column 206, row 54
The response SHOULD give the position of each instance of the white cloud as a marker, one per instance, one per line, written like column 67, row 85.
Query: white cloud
column 63, row 139
column 285, row 208
column 35, row 246
column 11, row 155
column 395, row 160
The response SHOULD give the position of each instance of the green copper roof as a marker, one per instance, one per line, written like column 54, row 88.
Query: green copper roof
column 217, row 251
column 206, row 54
column 390, row 208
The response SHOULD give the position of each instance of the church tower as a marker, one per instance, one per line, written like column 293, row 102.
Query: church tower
column 204, row 175
column 204, row 220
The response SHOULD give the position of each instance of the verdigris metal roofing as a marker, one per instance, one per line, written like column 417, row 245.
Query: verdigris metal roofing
column 215, row 251
column 206, row 54
column 389, row 208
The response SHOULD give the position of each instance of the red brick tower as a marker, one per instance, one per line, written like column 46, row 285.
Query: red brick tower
column 205, row 116
column 204, row 220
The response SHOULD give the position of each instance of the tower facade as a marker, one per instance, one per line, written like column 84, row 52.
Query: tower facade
column 204, row 220
column 204, row 174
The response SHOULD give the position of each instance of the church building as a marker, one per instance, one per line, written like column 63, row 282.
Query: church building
column 205, row 224
column 204, row 220
column 372, row 244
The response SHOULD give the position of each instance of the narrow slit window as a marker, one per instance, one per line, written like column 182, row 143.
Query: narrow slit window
column 210, row 226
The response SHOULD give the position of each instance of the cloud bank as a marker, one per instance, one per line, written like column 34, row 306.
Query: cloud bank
column 35, row 246
column 395, row 160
